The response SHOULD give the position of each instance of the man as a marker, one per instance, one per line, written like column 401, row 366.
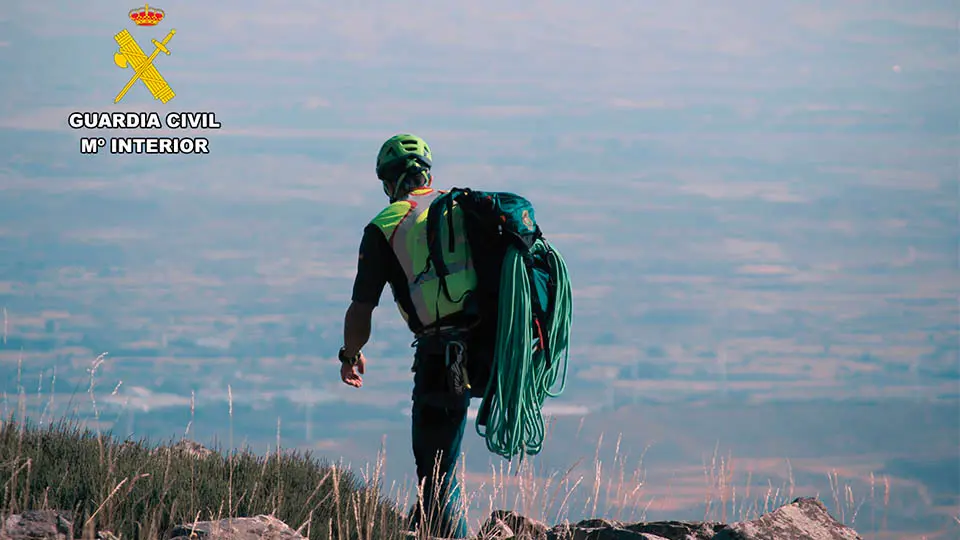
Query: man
column 394, row 250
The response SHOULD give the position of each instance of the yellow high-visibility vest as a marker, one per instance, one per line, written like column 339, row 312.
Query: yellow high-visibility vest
column 404, row 224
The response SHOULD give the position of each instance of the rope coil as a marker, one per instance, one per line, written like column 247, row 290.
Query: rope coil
column 523, row 381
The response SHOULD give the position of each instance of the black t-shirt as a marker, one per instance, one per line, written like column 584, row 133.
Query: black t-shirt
column 377, row 265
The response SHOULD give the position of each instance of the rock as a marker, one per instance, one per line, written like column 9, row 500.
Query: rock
column 597, row 523
column 37, row 525
column 805, row 518
column 603, row 529
column 678, row 530
column 495, row 531
column 601, row 533
column 250, row 528
column 187, row 447
column 504, row 524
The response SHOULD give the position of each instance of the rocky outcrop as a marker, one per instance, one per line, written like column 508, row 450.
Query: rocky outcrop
column 252, row 528
column 37, row 524
column 804, row 518
column 183, row 447
column 187, row 447
column 507, row 524
column 56, row 525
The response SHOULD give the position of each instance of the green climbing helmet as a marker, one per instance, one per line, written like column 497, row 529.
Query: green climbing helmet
column 397, row 153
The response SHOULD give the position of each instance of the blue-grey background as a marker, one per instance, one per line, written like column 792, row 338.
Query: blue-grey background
column 757, row 201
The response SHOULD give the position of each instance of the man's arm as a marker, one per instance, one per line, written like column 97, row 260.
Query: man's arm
column 367, row 288
column 356, row 327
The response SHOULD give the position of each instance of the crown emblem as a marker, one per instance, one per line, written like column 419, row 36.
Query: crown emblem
column 146, row 15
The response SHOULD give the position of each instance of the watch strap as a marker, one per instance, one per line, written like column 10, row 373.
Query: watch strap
column 354, row 360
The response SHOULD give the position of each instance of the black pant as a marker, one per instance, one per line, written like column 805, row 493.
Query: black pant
column 439, row 421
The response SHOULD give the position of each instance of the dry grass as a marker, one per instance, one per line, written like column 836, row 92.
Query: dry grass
column 139, row 490
column 135, row 489
column 722, row 503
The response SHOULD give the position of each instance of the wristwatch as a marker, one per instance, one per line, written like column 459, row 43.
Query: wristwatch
column 352, row 360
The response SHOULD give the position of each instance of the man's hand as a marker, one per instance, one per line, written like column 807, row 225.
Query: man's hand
column 352, row 374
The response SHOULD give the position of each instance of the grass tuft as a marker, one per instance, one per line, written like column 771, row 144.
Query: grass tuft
column 136, row 490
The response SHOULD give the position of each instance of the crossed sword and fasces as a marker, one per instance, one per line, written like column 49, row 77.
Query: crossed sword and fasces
column 131, row 54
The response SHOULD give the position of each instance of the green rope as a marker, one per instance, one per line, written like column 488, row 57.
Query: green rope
column 523, row 381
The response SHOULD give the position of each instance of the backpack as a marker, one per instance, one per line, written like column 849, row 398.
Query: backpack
column 522, row 304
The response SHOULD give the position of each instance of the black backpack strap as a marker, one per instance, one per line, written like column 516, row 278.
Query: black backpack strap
column 441, row 204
